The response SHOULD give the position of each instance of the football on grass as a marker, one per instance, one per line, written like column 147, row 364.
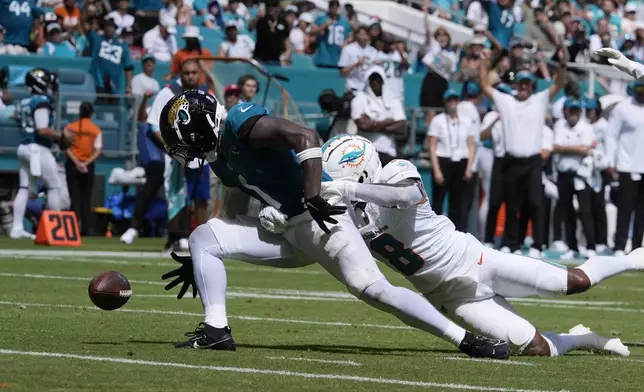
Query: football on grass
column 109, row 290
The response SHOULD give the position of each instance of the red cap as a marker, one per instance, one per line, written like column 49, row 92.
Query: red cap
column 231, row 88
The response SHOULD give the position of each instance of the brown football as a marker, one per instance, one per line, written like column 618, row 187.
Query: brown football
column 109, row 290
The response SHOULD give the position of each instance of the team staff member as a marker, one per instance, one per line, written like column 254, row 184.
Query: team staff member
column 523, row 121
column 624, row 147
column 189, row 79
column 378, row 116
column 600, row 126
column 79, row 167
column 450, row 141
column 574, row 140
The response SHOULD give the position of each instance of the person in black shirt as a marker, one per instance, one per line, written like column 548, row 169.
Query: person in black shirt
column 273, row 46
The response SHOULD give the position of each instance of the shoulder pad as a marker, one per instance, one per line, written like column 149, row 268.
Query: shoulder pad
column 398, row 170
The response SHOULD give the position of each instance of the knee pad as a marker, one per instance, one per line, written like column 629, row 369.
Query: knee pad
column 551, row 280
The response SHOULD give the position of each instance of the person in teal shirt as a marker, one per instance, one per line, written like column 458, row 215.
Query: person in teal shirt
column 55, row 45
column 110, row 60
column 333, row 31
column 17, row 17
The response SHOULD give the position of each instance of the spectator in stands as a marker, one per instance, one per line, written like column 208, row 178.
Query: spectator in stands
column 300, row 36
column 355, row 59
column 144, row 83
column 128, row 36
column 375, row 30
column 602, row 37
column 290, row 16
column 333, row 32
column 177, row 10
column 110, row 60
column 469, row 65
column 161, row 41
column 629, row 23
column 441, row 59
column 450, row 142
column 609, row 10
column 56, row 46
column 378, row 116
column 573, row 141
column 395, row 63
column 501, row 20
column 248, row 88
column 4, row 48
column 69, row 14
column 79, row 167
column 578, row 44
column 352, row 17
column 191, row 50
column 96, row 8
column 236, row 45
column 18, row 19
column 539, row 29
column 273, row 46
column 120, row 15
column 236, row 13
column 500, row 68
column 231, row 96
column 213, row 15
column 624, row 146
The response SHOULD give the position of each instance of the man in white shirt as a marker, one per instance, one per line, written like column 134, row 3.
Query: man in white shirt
column 120, row 16
column 573, row 141
column 189, row 79
column 395, row 64
column 355, row 59
column 523, row 120
column 299, row 35
column 145, row 83
column 625, row 154
column 236, row 45
column 378, row 116
column 161, row 41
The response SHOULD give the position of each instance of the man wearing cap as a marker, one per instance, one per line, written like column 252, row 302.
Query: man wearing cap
column 574, row 139
column 273, row 46
column 236, row 45
column 333, row 31
column 378, row 116
column 55, row 45
column 18, row 20
column 300, row 35
column 231, row 96
column 191, row 50
column 110, row 60
column 160, row 41
column 523, row 121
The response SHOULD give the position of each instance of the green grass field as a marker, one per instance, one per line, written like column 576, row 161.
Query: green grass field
column 296, row 330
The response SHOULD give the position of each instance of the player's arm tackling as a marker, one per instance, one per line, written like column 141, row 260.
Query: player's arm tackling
column 404, row 194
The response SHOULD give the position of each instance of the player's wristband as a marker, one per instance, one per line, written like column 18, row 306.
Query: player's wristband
column 309, row 153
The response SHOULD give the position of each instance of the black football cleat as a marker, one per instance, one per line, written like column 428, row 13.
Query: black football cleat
column 484, row 347
column 209, row 338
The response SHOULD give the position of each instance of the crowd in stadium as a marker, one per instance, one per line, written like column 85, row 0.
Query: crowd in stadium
column 558, row 155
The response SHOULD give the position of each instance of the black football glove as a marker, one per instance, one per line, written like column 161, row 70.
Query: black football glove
column 184, row 274
column 321, row 211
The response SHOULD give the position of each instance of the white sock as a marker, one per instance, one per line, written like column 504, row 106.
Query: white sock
column 210, row 275
column 19, row 208
column 600, row 268
column 562, row 343
column 412, row 309
column 53, row 199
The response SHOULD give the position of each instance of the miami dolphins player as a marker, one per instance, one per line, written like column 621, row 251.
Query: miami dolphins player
column 34, row 153
column 453, row 269
column 279, row 163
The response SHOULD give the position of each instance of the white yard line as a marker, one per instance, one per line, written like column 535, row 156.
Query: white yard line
column 181, row 313
column 331, row 361
column 492, row 361
column 283, row 373
column 236, row 294
column 565, row 302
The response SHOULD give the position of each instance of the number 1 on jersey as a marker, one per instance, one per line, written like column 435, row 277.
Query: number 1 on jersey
column 405, row 260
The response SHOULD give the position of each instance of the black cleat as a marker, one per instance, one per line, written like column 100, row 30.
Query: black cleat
column 211, row 338
column 484, row 347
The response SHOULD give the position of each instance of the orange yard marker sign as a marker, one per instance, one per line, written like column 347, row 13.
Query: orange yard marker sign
column 58, row 228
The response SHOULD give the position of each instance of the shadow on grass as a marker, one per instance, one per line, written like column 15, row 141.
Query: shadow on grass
column 347, row 349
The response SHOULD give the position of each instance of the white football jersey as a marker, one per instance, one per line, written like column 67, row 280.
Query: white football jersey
column 391, row 63
column 423, row 246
